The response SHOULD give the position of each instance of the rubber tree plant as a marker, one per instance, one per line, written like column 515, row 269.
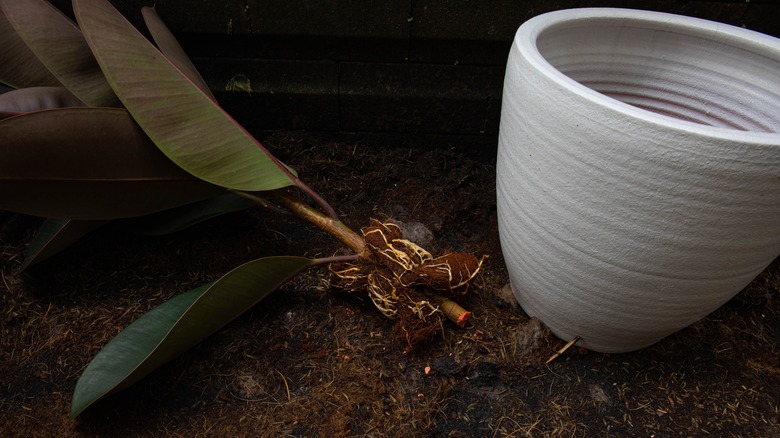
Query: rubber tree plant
column 104, row 124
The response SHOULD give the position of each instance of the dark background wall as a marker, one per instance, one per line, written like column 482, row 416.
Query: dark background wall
column 419, row 68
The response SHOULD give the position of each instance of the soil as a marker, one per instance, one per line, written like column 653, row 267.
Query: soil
column 312, row 361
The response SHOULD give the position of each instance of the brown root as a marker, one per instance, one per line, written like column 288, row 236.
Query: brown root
column 450, row 274
column 405, row 282
column 419, row 321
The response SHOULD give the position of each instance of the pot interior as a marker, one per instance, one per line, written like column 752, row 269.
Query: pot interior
column 690, row 73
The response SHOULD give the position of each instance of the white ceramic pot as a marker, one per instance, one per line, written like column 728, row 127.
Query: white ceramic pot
column 638, row 170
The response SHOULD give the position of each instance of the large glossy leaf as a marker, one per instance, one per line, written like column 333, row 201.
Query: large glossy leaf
column 180, row 218
column 90, row 164
column 19, row 67
column 55, row 235
column 59, row 45
column 35, row 99
column 171, row 48
column 186, row 124
column 177, row 325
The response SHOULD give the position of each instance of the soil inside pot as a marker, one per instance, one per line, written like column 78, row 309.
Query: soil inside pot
column 311, row 361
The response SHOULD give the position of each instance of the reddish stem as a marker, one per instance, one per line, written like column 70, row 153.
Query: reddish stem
column 328, row 224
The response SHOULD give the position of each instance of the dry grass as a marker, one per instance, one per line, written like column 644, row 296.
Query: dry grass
column 310, row 362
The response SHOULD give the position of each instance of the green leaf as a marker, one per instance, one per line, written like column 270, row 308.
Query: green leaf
column 168, row 45
column 189, row 127
column 89, row 164
column 32, row 99
column 177, row 325
column 60, row 46
column 180, row 218
column 55, row 235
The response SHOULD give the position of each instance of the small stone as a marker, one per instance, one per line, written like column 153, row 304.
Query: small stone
column 246, row 386
column 506, row 295
column 415, row 232
column 597, row 394
column 529, row 336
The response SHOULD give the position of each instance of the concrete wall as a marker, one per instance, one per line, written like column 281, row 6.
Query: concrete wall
column 417, row 67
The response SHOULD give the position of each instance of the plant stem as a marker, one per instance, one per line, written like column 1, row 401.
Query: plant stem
column 324, row 205
column 332, row 226
column 335, row 259
column 297, row 182
column 260, row 201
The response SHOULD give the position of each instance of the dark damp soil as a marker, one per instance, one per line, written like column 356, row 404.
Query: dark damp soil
column 310, row 361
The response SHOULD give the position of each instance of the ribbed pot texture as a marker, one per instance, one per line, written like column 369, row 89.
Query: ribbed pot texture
column 638, row 174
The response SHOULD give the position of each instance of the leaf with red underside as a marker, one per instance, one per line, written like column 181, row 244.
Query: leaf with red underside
column 58, row 43
column 183, row 121
column 90, row 164
column 32, row 99
column 168, row 45
column 20, row 68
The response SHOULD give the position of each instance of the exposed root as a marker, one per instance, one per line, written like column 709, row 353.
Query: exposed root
column 383, row 293
column 405, row 282
column 419, row 321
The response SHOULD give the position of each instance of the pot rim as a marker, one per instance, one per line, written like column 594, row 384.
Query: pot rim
column 756, row 42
